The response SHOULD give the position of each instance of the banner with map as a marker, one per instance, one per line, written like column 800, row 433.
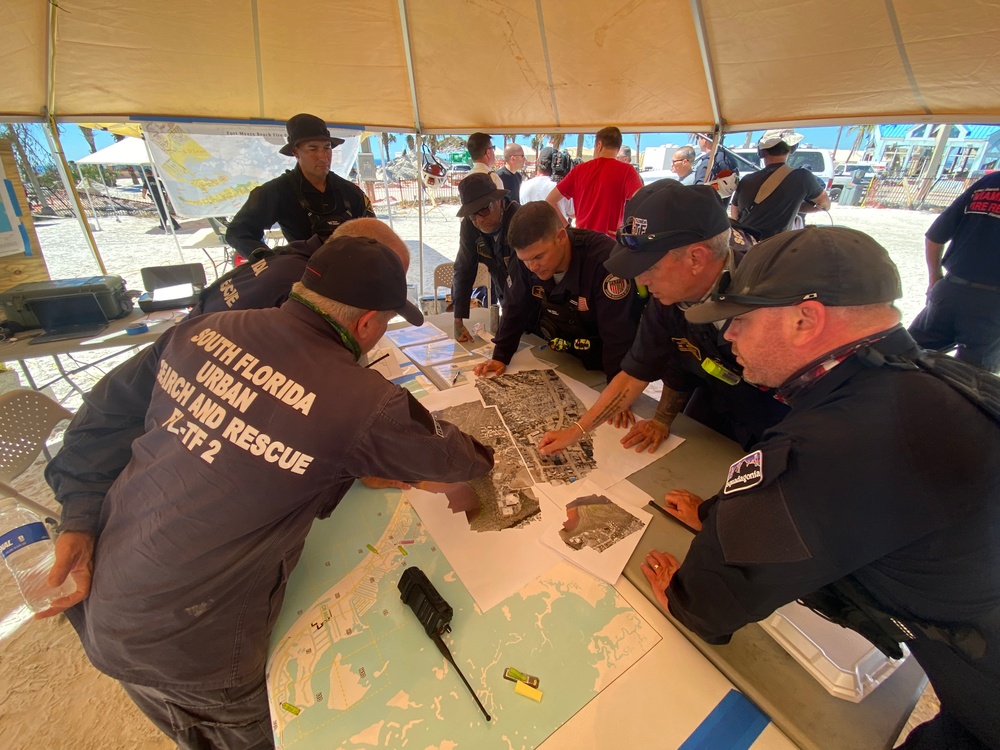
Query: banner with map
column 209, row 168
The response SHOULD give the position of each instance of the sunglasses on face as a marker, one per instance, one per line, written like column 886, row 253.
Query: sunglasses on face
column 484, row 212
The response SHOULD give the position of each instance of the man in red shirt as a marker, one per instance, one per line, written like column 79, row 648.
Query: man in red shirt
column 599, row 187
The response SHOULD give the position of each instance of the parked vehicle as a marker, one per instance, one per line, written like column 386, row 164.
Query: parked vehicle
column 652, row 175
column 844, row 174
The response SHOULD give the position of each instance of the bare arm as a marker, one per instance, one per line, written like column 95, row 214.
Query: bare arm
column 933, row 252
column 820, row 202
column 553, row 199
column 616, row 398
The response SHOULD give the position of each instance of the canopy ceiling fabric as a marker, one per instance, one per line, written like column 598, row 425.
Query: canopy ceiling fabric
column 507, row 65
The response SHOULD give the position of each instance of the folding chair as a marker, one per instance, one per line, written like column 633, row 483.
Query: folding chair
column 26, row 420
column 444, row 275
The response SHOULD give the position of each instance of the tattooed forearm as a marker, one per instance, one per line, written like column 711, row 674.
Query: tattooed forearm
column 617, row 403
column 671, row 404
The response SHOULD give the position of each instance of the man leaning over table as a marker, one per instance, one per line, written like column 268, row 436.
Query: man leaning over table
column 867, row 502
column 255, row 423
column 559, row 289
column 677, row 241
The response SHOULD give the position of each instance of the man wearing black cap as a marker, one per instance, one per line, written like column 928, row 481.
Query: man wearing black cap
column 268, row 281
column 482, row 239
column 306, row 200
column 875, row 500
column 677, row 242
column 559, row 289
column 255, row 423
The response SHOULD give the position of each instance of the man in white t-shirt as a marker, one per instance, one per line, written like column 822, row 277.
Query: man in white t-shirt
column 539, row 186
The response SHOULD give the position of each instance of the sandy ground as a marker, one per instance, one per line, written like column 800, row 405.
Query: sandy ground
column 53, row 697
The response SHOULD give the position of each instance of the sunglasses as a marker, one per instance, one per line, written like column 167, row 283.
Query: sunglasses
column 484, row 212
column 626, row 238
column 753, row 300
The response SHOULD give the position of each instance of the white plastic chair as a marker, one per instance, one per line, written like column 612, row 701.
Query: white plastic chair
column 26, row 420
column 444, row 275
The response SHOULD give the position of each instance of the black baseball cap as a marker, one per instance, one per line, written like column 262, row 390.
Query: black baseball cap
column 837, row 266
column 660, row 217
column 477, row 191
column 306, row 127
column 363, row 273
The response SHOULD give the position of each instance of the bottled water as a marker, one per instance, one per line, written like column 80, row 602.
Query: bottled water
column 29, row 553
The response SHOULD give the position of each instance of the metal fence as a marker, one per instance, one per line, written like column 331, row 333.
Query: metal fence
column 901, row 192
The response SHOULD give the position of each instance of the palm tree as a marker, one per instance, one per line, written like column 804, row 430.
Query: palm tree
column 30, row 157
column 556, row 139
column 88, row 136
column 865, row 132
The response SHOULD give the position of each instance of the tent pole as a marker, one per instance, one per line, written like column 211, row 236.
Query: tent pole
column 405, row 27
column 168, row 220
column 385, row 180
column 52, row 133
column 706, row 62
column 90, row 200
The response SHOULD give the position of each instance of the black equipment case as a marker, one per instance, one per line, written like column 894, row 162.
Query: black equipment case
column 109, row 290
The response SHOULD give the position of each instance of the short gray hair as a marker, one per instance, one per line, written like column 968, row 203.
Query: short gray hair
column 719, row 244
column 346, row 315
column 685, row 152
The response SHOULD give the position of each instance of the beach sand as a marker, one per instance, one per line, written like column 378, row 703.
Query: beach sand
column 53, row 697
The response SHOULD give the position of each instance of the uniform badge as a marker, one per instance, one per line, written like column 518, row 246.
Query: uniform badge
column 639, row 225
column 746, row 473
column 581, row 304
column 687, row 347
column 510, row 282
column 538, row 291
column 615, row 288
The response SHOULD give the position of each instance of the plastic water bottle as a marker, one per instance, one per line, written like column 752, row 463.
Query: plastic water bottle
column 29, row 553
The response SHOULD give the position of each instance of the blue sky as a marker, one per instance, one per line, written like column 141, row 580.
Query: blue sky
column 75, row 146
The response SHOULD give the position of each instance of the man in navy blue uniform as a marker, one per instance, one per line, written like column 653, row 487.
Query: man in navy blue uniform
column 874, row 501
column 306, row 200
column 267, row 282
column 678, row 243
column 558, row 288
column 191, row 477
column 963, row 307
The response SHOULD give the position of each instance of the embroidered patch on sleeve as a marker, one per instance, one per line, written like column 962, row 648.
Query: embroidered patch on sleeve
column 615, row 288
column 581, row 304
column 746, row 473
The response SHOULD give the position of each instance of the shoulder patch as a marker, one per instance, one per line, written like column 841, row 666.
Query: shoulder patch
column 615, row 288
column 746, row 473
column 686, row 346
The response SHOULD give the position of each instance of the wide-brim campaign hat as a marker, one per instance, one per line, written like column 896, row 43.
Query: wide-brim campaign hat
column 660, row 217
column 306, row 127
column 363, row 273
column 774, row 137
column 836, row 266
column 477, row 191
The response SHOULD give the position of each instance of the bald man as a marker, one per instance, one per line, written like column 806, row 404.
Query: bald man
column 267, row 282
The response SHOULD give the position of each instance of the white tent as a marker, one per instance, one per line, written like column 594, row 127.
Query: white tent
column 505, row 65
column 128, row 151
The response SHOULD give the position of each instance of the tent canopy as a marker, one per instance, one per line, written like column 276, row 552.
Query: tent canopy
column 505, row 65
column 128, row 151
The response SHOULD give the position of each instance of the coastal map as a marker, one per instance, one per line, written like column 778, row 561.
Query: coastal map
column 351, row 667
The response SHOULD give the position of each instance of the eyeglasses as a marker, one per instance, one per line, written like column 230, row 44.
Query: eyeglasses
column 676, row 161
column 626, row 238
column 484, row 212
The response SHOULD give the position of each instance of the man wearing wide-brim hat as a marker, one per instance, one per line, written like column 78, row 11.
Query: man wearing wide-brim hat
column 305, row 201
column 482, row 239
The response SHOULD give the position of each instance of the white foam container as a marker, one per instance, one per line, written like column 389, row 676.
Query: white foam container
column 842, row 661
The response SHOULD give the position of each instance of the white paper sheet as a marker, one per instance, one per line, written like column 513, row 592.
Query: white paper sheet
column 606, row 538
column 412, row 335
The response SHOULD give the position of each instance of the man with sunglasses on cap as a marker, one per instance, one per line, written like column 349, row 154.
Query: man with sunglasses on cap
column 482, row 239
column 253, row 423
column 559, row 289
column 874, row 501
column 677, row 242
column 767, row 202
column 305, row 201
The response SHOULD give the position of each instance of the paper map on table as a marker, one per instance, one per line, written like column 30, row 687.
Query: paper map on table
column 351, row 667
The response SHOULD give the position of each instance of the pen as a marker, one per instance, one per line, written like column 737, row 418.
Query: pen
column 455, row 379
column 375, row 362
